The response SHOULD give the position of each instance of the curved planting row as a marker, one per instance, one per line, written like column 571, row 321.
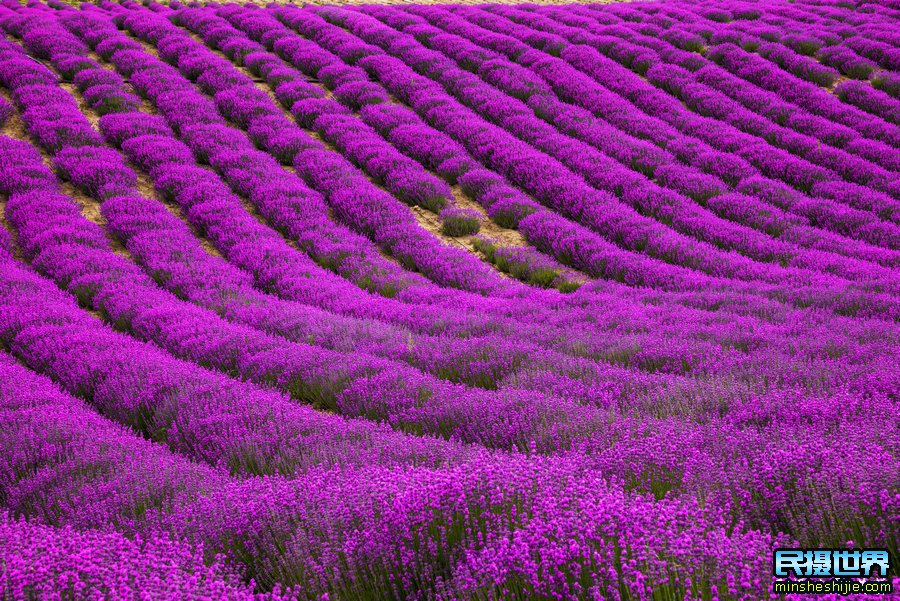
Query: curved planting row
column 353, row 199
column 201, row 285
column 708, row 190
column 355, row 137
column 422, row 350
column 721, row 170
column 553, row 183
column 449, row 361
column 222, row 516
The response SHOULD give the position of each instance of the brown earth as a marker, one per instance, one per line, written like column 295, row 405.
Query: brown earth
column 13, row 128
column 144, row 185
column 90, row 208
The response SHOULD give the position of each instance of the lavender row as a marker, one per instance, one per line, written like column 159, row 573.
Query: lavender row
column 576, row 87
column 392, row 116
column 451, row 160
column 173, row 401
column 771, row 106
column 545, row 218
column 706, row 101
column 837, row 52
column 307, row 536
column 69, row 468
column 63, row 487
column 226, row 516
column 363, row 386
column 452, row 357
column 41, row 562
column 384, row 278
column 299, row 369
column 520, row 120
column 157, row 154
column 889, row 83
column 870, row 100
column 655, row 102
column 404, row 178
column 357, row 202
column 283, row 202
column 453, row 360
column 755, row 70
column 400, row 126
column 680, row 210
column 670, row 45
column 6, row 109
column 373, row 552
column 309, row 26
column 792, row 52
column 382, row 119
column 223, row 519
column 624, row 51
column 219, row 214
column 431, row 551
column 833, row 38
column 73, row 253
column 371, row 62
column 797, row 172
column 526, row 264
column 833, row 43
column 778, row 110
column 830, row 36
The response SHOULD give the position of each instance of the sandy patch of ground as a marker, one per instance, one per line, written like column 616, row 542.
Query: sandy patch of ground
column 13, row 128
column 90, row 208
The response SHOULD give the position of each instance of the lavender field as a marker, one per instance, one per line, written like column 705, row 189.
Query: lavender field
column 445, row 302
